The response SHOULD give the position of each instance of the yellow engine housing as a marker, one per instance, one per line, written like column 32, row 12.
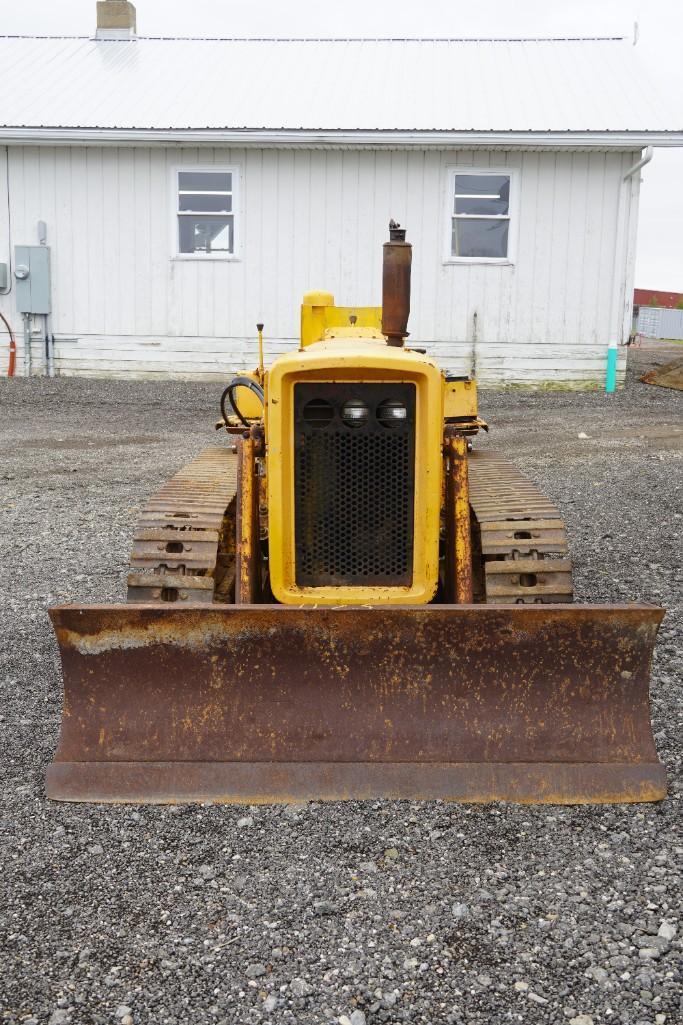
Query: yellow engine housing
column 320, row 319
column 361, row 360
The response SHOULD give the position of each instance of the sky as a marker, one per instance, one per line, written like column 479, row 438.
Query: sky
column 659, row 262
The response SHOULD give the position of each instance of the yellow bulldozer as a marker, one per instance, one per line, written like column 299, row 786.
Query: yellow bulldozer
column 348, row 599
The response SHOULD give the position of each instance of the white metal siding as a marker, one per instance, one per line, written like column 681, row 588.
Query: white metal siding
column 315, row 218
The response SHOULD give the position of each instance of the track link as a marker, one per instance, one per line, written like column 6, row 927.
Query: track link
column 183, row 546
column 519, row 533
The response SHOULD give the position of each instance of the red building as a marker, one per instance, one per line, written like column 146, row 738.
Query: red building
column 657, row 297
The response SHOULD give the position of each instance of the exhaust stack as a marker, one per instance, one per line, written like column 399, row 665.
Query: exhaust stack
column 398, row 256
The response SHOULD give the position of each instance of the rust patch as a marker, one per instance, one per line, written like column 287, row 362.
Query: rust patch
column 293, row 783
column 278, row 685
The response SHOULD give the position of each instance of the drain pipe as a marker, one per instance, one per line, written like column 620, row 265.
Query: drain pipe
column 645, row 159
column 611, row 375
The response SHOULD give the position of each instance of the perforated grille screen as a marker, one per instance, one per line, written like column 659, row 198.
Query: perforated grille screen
column 354, row 482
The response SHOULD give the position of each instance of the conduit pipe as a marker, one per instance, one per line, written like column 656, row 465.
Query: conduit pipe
column 617, row 312
column 27, row 344
column 12, row 365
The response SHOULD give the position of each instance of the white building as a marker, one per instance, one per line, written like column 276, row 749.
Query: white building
column 188, row 188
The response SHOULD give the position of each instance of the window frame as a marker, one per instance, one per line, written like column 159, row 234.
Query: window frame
column 233, row 169
column 512, row 217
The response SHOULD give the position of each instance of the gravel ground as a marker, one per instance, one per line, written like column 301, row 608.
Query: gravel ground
column 352, row 913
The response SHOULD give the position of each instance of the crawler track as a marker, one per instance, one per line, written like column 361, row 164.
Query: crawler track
column 519, row 533
column 183, row 546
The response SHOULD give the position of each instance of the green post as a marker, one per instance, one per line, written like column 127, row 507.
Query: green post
column 611, row 375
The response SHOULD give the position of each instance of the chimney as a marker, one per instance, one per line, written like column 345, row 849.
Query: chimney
column 115, row 19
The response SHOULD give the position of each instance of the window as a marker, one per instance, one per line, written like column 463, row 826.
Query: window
column 205, row 212
column 480, row 216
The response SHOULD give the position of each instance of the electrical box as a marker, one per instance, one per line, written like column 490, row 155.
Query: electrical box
column 4, row 278
column 32, row 273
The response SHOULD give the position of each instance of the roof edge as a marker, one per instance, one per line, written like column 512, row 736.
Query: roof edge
column 341, row 137
column 340, row 39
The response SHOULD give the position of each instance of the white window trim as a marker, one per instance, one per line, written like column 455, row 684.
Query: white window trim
column 513, row 211
column 233, row 257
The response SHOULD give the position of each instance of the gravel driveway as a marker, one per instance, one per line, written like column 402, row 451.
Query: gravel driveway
column 377, row 912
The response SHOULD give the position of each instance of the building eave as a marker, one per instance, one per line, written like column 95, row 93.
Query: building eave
column 379, row 139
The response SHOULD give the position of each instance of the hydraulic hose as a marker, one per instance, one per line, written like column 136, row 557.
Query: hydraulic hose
column 239, row 382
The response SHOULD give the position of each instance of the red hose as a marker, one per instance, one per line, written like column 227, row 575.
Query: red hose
column 11, row 367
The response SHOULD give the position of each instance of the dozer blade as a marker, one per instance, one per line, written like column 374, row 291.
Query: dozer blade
column 253, row 703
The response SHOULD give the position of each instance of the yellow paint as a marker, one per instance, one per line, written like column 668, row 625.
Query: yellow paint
column 319, row 315
column 354, row 333
column 460, row 398
column 248, row 403
column 353, row 359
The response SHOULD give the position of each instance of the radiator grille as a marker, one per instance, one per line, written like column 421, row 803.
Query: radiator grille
column 354, row 484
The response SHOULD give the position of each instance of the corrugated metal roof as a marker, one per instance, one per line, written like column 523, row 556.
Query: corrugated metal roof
column 406, row 85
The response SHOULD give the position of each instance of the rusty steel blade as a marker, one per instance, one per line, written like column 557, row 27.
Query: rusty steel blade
column 536, row 703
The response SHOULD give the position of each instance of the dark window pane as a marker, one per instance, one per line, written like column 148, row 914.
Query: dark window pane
column 205, row 181
column 480, row 238
column 205, row 204
column 206, row 234
column 482, row 186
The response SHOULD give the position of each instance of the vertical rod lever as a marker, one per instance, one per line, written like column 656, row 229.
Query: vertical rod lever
column 261, row 364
